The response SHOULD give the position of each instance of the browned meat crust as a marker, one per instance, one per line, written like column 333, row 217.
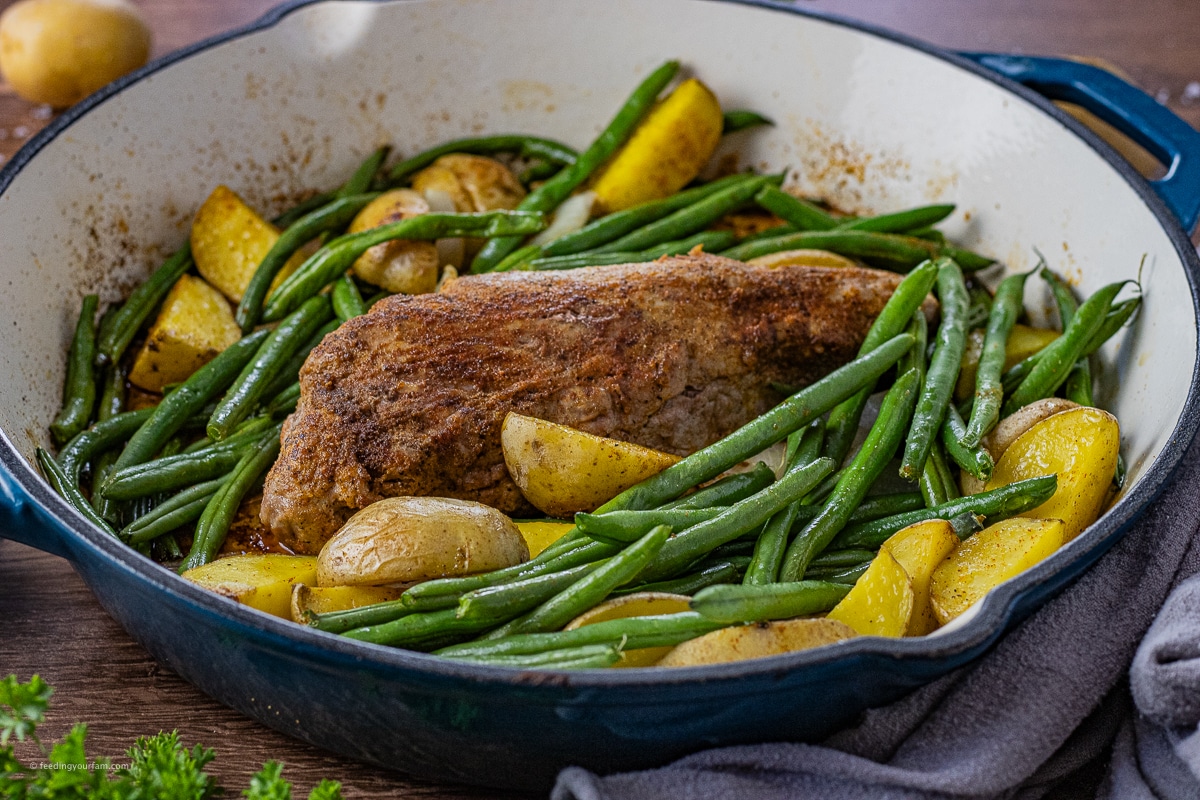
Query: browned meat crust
column 408, row 400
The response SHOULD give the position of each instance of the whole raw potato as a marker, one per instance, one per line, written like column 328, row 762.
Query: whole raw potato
column 60, row 51
column 410, row 539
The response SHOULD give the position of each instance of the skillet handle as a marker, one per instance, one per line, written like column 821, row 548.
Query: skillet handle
column 22, row 521
column 1128, row 109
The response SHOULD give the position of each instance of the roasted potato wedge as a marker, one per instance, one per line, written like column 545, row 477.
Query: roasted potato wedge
column 881, row 603
column 230, row 240
column 402, row 540
column 539, row 534
column 193, row 326
column 1081, row 447
column 401, row 266
column 668, row 149
column 1023, row 342
column 307, row 600
column 920, row 549
column 263, row 581
column 987, row 559
column 639, row 604
column 756, row 641
column 562, row 470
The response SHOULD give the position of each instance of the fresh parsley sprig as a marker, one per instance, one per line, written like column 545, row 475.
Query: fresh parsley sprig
column 160, row 767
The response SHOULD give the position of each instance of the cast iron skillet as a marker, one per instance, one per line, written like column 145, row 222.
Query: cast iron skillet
column 499, row 727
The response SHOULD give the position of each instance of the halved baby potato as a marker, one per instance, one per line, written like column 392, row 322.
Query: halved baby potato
column 403, row 266
column 1081, row 447
column 920, row 549
column 1023, row 342
column 562, row 470
column 401, row 540
column 756, row 641
column 881, row 602
column 987, row 559
column 638, row 604
column 263, row 581
column 802, row 258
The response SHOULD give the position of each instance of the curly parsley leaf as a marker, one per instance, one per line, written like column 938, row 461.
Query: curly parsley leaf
column 326, row 790
column 22, row 707
column 268, row 784
column 161, row 767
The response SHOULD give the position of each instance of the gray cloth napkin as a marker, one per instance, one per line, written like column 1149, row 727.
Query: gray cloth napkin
column 1046, row 713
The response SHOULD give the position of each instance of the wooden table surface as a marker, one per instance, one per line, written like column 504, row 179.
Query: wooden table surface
column 52, row 626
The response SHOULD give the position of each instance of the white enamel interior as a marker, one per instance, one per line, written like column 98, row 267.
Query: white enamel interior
column 871, row 124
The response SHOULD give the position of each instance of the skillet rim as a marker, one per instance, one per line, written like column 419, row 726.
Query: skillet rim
column 993, row 616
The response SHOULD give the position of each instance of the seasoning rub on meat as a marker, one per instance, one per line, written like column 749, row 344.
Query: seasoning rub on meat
column 674, row 354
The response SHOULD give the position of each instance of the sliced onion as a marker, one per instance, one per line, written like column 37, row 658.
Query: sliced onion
column 452, row 251
column 572, row 215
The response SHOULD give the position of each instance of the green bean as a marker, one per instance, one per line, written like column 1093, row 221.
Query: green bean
column 325, row 220
column 840, row 559
column 361, row 617
column 364, row 176
column 288, row 218
column 419, row 630
column 997, row 504
column 525, row 146
column 61, row 482
column 727, row 490
column 907, row 298
column 519, row 259
column 173, row 412
column 1053, row 366
column 594, row 656
column 512, row 599
column 933, row 490
column 1078, row 386
column 268, row 363
column 123, row 325
column 222, row 507
column 772, row 542
column 347, row 300
column 879, row 446
column 659, row 630
column 801, row 214
column 949, row 481
column 929, row 235
column 623, row 527
column 375, row 298
column 989, row 389
column 331, row 261
column 793, row 413
column 690, row 219
column 98, row 438
column 845, row 575
column 740, row 120
column 724, row 571
column 710, row 241
column 538, row 172
column 915, row 358
column 943, row 369
column 79, row 388
column 901, row 221
column 889, row 250
column 290, row 374
column 285, row 402
column 165, row 474
column 981, row 306
column 975, row 460
column 735, row 521
column 548, row 196
column 173, row 512
column 731, row 604
column 112, row 400
column 1119, row 473
column 590, row 589
column 613, row 226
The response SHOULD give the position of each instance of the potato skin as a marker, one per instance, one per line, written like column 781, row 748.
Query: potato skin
column 408, row 539
column 60, row 51
column 401, row 266
column 744, row 642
